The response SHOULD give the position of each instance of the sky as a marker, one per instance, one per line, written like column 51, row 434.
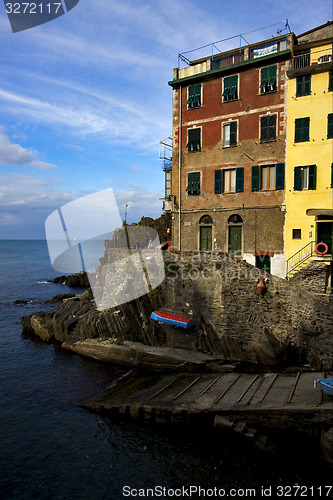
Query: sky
column 85, row 100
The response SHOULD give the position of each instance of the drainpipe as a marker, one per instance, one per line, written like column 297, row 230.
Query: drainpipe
column 180, row 164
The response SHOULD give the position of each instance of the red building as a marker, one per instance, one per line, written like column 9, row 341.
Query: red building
column 228, row 155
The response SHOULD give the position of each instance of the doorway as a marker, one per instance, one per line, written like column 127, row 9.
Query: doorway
column 206, row 238
column 325, row 234
column 235, row 235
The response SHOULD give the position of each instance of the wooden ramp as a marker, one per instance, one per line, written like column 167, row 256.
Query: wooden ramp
column 219, row 394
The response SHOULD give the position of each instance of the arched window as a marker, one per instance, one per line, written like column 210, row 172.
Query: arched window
column 206, row 219
column 235, row 219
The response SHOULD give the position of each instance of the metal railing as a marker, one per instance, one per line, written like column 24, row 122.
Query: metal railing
column 301, row 61
column 299, row 257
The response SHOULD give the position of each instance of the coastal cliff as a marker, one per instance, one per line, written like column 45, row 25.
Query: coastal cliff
column 234, row 323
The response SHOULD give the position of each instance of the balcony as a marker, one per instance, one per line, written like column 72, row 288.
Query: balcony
column 246, row 52
column 301, row 60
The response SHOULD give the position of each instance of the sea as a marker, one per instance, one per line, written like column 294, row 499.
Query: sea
column 50, row 448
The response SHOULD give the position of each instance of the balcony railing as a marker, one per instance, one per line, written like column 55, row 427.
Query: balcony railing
column 301, row 61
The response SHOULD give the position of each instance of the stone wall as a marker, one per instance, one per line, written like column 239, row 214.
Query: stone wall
column 285, row 325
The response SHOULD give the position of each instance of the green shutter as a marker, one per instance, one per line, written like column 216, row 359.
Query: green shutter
column 268, row 79
column 303, row 85
column 330, row 126
column 264, row 128
column 217, row 186
column 297, row 178
column 271, row 127
column 255, row 178
column 279, row 176
column 312, row 176
column 264, row 79
column 302, row 129
column 233, row 133
column 330, row 81
column 272, row 77
column 306, row 129
column 307, row 84
column 194, row 96
column 239, row 180
column 230, row 84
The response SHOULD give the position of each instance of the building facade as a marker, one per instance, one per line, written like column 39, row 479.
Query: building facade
column 228, row 157
column 309, row 177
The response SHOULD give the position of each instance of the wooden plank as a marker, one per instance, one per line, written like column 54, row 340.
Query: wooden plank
column 294, row 387
column 268, row 388
column 247, row 388
column 226, row 389
column 207, row 388
column 186, row 389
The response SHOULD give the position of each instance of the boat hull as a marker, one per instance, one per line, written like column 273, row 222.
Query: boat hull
column 172, row 319
column 327, row 385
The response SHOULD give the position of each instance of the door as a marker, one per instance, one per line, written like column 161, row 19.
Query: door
column 325, row 234
column 206, row 238
column 263, row 262
column 235, row 240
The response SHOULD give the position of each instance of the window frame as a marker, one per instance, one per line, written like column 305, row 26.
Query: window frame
column 302, row 131
column 269, row 168
column 219, row 180
column 294, row 237
column 256, row 177
column 311, row 177
column 191, row 142
column 303, row 85
column 330, row 126
column 195, row 176
column 194, row 96
column 264, row 87
column 268, row 126
column 235, row 95
column 233, row 135
column 168, row 179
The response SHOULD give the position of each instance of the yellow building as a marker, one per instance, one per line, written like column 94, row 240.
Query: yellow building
column 309, row 153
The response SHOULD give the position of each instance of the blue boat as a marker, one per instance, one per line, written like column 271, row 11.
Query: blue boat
column 327, row 385
column 172, row 319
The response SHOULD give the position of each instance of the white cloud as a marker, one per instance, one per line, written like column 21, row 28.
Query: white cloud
column 14, row 154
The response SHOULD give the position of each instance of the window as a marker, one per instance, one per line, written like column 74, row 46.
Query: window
column 230, row 88
column 268, row 128
column 268, row 79
column 330, row 80
column 303, row 85
column 194, row 139
column 194, row 96
column 267, row 177
column 302, row 129
column 297, row 234
column 229, row 180
column 230, row 134
column 330, row 126
column 305, row 177
column 168, row 183
column 193, row 184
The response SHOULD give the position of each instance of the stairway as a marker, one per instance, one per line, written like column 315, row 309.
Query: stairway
column 315, row 276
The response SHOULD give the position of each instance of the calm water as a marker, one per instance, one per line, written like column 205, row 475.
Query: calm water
column 51, row 449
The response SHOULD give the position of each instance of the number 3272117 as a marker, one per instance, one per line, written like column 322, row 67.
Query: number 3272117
column 33, row 8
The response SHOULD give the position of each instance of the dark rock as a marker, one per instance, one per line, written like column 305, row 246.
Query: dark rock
column 59, row 298
column 79, row 280
column 18, row 302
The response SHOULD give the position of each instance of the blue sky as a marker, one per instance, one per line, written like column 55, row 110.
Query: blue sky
column 84, row 99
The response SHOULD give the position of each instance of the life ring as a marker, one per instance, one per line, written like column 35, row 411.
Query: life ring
column 325, row 247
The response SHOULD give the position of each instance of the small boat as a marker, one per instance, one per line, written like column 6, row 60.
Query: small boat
column 327, row 385
column 172, row 319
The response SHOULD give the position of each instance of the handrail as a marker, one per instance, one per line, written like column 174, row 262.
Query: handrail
column 299, row 257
